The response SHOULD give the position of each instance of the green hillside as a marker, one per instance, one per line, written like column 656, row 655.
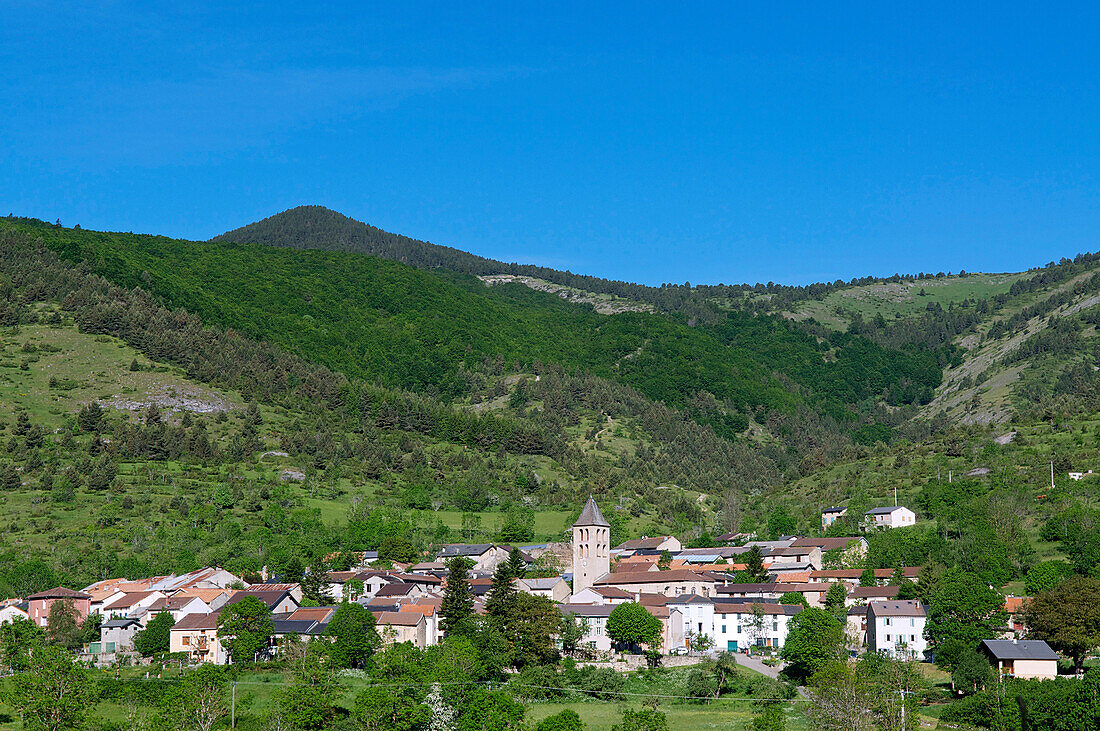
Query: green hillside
column 375, row 319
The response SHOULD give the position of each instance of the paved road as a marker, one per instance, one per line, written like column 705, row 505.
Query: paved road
column 754, row 663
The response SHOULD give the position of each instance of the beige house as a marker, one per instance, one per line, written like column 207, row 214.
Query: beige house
column 484, row 556
column 645, row 543
column 1023, row 659
column 671, row 583
column 830, row 516
column 196, row 635
column 851, row 549
column 394, row 627
column 556, row 589
column 795, row 556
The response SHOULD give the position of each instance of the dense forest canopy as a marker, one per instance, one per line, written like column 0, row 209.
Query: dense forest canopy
column 370, row 318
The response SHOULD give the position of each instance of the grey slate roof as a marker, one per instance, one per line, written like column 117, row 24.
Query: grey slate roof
column 903, row 608
column 591, row 515
column 883, row 511
column 120, row 623
column 464, row 549
column 1019, row 650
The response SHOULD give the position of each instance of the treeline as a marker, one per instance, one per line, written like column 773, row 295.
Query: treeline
column 317, row 227
column 1044, row 307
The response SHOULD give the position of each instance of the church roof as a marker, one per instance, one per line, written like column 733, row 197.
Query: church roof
column 591, row 514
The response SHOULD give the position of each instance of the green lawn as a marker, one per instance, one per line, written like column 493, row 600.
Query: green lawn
column 719, row 714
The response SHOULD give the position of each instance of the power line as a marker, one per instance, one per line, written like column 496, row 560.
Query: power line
column 489, row 684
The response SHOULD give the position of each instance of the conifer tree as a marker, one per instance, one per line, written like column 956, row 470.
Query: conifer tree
column 457, row 609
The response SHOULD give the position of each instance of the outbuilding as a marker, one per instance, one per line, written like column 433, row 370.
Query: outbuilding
column 1023, row 659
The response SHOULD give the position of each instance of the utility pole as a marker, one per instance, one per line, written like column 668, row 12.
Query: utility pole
column 233, row 706
column 1052, row 474
column 895, row 496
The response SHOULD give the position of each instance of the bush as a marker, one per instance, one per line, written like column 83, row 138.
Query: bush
column 567, row 720
column 537, row 682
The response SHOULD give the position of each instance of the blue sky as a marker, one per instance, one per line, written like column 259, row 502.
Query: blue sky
column 646, row 142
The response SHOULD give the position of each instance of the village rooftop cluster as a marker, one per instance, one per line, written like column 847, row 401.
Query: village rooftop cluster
column 694, row 593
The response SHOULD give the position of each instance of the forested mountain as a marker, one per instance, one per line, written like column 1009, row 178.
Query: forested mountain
column 366, row 317
column 317, row 227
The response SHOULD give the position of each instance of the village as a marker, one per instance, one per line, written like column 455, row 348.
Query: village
column 697, row 594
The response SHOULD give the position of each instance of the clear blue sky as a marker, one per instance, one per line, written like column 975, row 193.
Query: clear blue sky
column 647, row 142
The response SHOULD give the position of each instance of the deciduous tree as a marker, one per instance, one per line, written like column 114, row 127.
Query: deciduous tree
column 245, row 628
column 814, row 639
column 631, row 624
column 963, row 611
column 354, row 637
column 1067, row 617
column 53, row 693
column 156, row 637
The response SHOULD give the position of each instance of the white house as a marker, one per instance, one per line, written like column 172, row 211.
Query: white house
column 896, row 628
column 830, row 515
column 734, row 626
column 131, row 604
column 752, row 624
column 698, row 614
column 895, row 517
column 11, row 613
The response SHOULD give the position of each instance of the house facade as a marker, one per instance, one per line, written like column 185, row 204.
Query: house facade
column 395, row 627
column 896, row 628
column 117, row 635
column 895, row 517
column 38, row 605
column 752, row 624
column 196, row 635
column 1022, row 659
column 830, row 516
column 555, row 588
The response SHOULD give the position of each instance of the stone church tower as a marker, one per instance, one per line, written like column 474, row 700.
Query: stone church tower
column 591, row 546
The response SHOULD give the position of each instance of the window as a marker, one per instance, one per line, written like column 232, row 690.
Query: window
column 775, row 626
column 912, row 622
column 887, row 638
column 700, row 627
column 886, row 621
column 186, row 640
column 723, row 615
column 723, row 629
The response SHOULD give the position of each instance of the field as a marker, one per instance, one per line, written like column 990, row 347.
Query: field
column 900, row 299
